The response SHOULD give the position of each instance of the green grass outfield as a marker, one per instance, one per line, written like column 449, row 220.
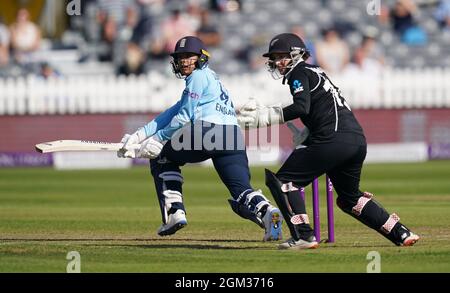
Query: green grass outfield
column 111, row 216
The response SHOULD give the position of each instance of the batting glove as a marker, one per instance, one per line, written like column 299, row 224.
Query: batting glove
column 255, row 115
column 131, row 143
column 151, row 148
column 298, row 135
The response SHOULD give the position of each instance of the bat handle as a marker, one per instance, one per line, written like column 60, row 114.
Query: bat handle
column 136, row 146
column 292, row 127
column 132, row 147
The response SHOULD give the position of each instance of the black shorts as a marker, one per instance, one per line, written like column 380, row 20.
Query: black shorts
column 340, row 160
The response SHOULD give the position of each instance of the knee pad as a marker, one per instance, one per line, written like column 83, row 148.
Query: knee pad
column 249, row 205
column 171, row 176
column 390, row 223
column 254, row 200
column 368, row 211
column 349, row 206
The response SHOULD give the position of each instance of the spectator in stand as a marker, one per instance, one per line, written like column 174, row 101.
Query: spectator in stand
column 402, row 16
column 372, row 50
column 368, row 59
column 117, row 19
column 208, row 32
column 142, row 32
column 134, row 61
column 109, row 29
column 332, row 53
column 131, row 20
column 25, row 37
column 4, row 44
column 174, row 28
column 115, row 10
column 47, row 71
column 298, row 30
column 225, row 5
column 194, row 13
column 442, row 14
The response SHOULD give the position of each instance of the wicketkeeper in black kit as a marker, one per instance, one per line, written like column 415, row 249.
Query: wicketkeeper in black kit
column 332, row 142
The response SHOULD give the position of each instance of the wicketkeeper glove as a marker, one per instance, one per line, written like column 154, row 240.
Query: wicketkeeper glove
column 255, row 115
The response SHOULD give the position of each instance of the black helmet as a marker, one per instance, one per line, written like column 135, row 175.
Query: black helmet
column 193, row 45
column 287, row 43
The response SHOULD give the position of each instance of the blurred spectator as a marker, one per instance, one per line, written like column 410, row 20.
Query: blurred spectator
column 131, row 20
column 115, row 10
column 384, row 16
column 4, row 44
column 194, row 13
column 368, row 58
column 442, row 14
column 134, row 61
column 225, row 5
column 402, row 15
column 332, row 53
column 117, row 19
column 298, row 30
column 47, row 71
column 208, row 32
column 372, row 50
column 414, row 36
column 156, row 49
column 143, row 29
column 109, row 29
column 25, row 36
column 250, row 56
column 174, row 28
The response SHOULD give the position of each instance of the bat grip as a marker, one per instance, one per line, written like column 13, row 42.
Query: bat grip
column 136, row 146
column 292, row 127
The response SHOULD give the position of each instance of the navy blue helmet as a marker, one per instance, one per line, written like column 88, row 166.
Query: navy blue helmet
column 190, row 44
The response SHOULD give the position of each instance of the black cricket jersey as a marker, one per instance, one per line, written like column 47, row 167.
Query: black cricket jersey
column 321, row 107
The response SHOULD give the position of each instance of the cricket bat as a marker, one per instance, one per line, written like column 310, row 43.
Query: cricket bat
column 79, row 145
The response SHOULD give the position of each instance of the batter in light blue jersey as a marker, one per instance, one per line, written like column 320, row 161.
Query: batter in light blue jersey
column 202, row 125
column 204, row 98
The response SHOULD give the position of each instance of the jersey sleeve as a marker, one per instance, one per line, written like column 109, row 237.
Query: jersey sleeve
column 161, row 120
column 188, row 104
column 300, row 90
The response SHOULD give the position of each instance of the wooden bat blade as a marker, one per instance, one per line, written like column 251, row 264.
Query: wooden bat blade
column 76, row 145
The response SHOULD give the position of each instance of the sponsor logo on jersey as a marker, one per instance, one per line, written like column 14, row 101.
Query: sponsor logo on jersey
column 191, row 95
column 297, row 86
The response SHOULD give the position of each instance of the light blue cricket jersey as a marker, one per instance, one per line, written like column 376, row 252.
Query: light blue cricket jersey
column 204, row 98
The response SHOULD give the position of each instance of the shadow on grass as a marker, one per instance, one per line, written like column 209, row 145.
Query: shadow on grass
column 94, row 239
column 146, row 243
column 163, row 243
column 195, row 246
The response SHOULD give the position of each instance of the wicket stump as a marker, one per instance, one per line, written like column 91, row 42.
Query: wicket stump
column 316, row 211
